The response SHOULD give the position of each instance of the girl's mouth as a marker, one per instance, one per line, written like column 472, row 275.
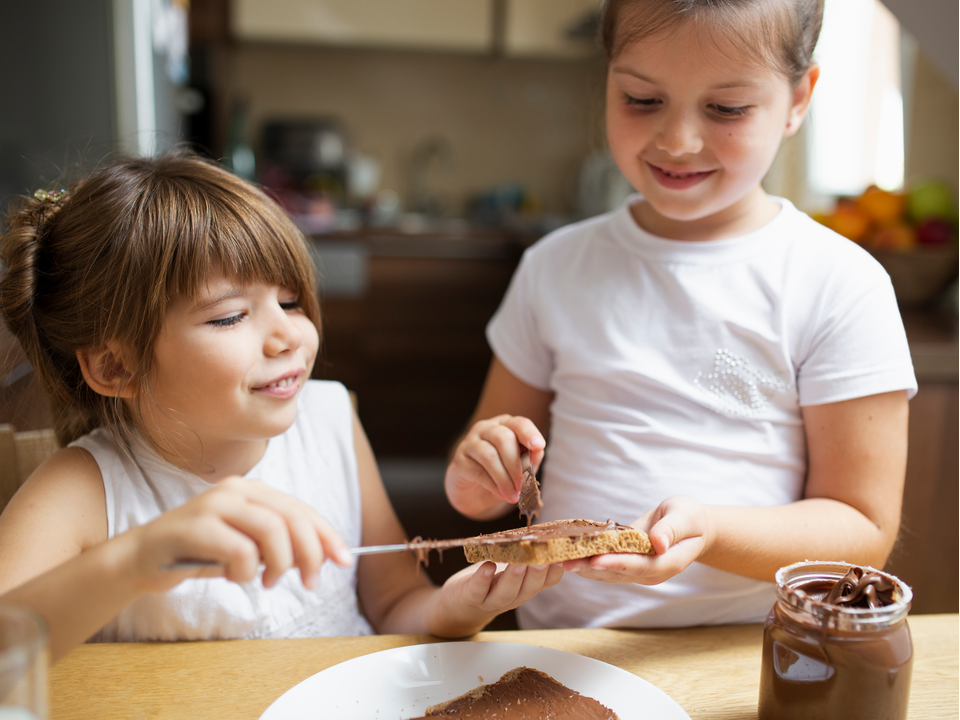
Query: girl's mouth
column 678, row 180
column 284, row 388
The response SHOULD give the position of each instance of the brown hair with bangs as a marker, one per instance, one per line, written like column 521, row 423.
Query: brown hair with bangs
column 779, row 34
column 101, row 261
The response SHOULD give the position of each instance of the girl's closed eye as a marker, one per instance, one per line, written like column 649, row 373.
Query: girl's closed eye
column 226, row 321
column 728, row 111
column 642, row 102
column 291, row 304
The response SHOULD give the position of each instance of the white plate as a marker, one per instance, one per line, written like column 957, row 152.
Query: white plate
column 403, row 682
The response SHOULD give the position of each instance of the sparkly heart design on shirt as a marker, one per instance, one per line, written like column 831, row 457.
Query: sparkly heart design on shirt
column 736, row 387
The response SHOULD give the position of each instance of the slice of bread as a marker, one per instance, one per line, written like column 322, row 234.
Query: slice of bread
column 557, row 541
column 520, row 694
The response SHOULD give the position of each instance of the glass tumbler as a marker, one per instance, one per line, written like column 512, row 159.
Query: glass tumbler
column 23, row 664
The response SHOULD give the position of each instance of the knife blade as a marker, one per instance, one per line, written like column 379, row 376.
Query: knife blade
column 189, row 563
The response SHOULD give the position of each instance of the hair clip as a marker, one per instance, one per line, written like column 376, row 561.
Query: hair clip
column 54, row 197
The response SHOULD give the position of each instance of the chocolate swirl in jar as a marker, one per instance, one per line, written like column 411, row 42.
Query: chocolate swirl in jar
column 836, row 645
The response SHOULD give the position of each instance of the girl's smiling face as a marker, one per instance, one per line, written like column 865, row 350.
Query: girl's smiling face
column 694, row 128
column 228, row 366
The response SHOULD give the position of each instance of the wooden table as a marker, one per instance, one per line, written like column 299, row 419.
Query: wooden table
column 712, row 672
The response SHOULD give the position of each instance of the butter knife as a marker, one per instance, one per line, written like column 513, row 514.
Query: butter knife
column 188, row 564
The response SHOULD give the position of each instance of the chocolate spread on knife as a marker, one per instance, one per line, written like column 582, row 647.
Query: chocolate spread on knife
column 523, row 694
column 530, row 502
column 838, row 648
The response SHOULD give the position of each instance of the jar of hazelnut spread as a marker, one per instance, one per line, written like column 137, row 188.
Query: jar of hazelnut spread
column 836, row 645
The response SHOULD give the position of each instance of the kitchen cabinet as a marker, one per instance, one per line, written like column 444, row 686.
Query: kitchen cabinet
column 925, row 556
column 926, row 553
column 404, row 329
column 551, row 28
column 460, row 25
column 516, row 28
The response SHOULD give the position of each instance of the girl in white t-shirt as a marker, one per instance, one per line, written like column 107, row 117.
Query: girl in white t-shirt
column 708, row 363
column 170, row 311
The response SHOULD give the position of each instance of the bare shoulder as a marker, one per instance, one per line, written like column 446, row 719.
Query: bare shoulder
column 59, row 512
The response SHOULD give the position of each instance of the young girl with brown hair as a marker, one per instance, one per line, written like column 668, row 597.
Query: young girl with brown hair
column 170, row 311
column 709, row 363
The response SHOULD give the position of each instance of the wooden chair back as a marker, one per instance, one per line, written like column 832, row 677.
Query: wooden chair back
column 20, row 454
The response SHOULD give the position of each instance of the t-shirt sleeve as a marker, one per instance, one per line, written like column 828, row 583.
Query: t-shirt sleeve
column 514, row 333
column 859, row 346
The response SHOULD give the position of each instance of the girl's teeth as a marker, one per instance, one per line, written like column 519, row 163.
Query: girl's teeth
column 281, row 384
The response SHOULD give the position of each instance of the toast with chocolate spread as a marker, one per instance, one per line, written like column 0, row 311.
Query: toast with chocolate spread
column 523, row 694
column 556, row 541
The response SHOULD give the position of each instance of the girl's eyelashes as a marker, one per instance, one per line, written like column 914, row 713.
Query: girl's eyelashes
column 724, row 111
column 641, row 102
column 226, row 321
column 730, row 112
column 237, row 317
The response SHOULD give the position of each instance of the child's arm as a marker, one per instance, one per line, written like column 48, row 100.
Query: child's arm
column 857, row 453
column 398, row 598
column 54, row 557
column 484, row 476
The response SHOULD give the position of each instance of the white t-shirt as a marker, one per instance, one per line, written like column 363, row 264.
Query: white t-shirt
column 314, row 460
column 680, row 368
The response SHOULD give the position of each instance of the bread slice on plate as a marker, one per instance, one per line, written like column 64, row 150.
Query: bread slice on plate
column 522, row 693
column 557, row 541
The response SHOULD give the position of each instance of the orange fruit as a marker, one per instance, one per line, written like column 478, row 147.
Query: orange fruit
column 882, row 207
column 849, row 221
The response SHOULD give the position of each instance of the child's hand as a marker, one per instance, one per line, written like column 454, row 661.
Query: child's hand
column 485, row 471
column 476, row 595
column 241, row 524
column 679, row 531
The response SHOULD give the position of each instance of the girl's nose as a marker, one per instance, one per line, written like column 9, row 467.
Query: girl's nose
column 679, row 135
column 284, row 335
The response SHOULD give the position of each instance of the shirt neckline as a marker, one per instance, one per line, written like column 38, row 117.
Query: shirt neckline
column 637, row 240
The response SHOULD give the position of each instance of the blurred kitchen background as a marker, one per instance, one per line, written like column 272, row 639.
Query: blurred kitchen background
column 423, row 144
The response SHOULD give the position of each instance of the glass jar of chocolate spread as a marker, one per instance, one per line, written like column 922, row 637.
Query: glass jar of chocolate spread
column 836, row 645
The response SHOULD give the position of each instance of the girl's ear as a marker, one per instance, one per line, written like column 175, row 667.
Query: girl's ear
column 801, row 99
column 106, row 371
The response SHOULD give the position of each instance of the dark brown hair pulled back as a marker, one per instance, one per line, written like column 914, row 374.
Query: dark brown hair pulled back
column 779, row 34
column 102, row 261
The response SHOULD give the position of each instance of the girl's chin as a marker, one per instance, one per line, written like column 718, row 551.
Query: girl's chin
column 672, row 211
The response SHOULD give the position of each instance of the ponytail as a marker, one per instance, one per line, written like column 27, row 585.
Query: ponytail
column 22, row 252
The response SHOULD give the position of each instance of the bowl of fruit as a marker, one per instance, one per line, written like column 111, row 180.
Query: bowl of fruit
column 913, row 234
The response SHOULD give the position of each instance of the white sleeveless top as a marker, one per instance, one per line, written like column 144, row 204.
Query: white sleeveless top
column 314, row 461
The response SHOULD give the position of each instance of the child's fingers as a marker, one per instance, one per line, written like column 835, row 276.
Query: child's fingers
column 676, row 519
column 515, row 584
column 312, row 538
column 239, row 554
column 477, row 587
column 509, row 437
column 333, row 545
column 506, row 587
column 473, row 473
column 537, row 578
column 269, row 531
column 208, row 538
column 632, row 568
column 492, row 455
column 608, row 568
column 529, row 437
